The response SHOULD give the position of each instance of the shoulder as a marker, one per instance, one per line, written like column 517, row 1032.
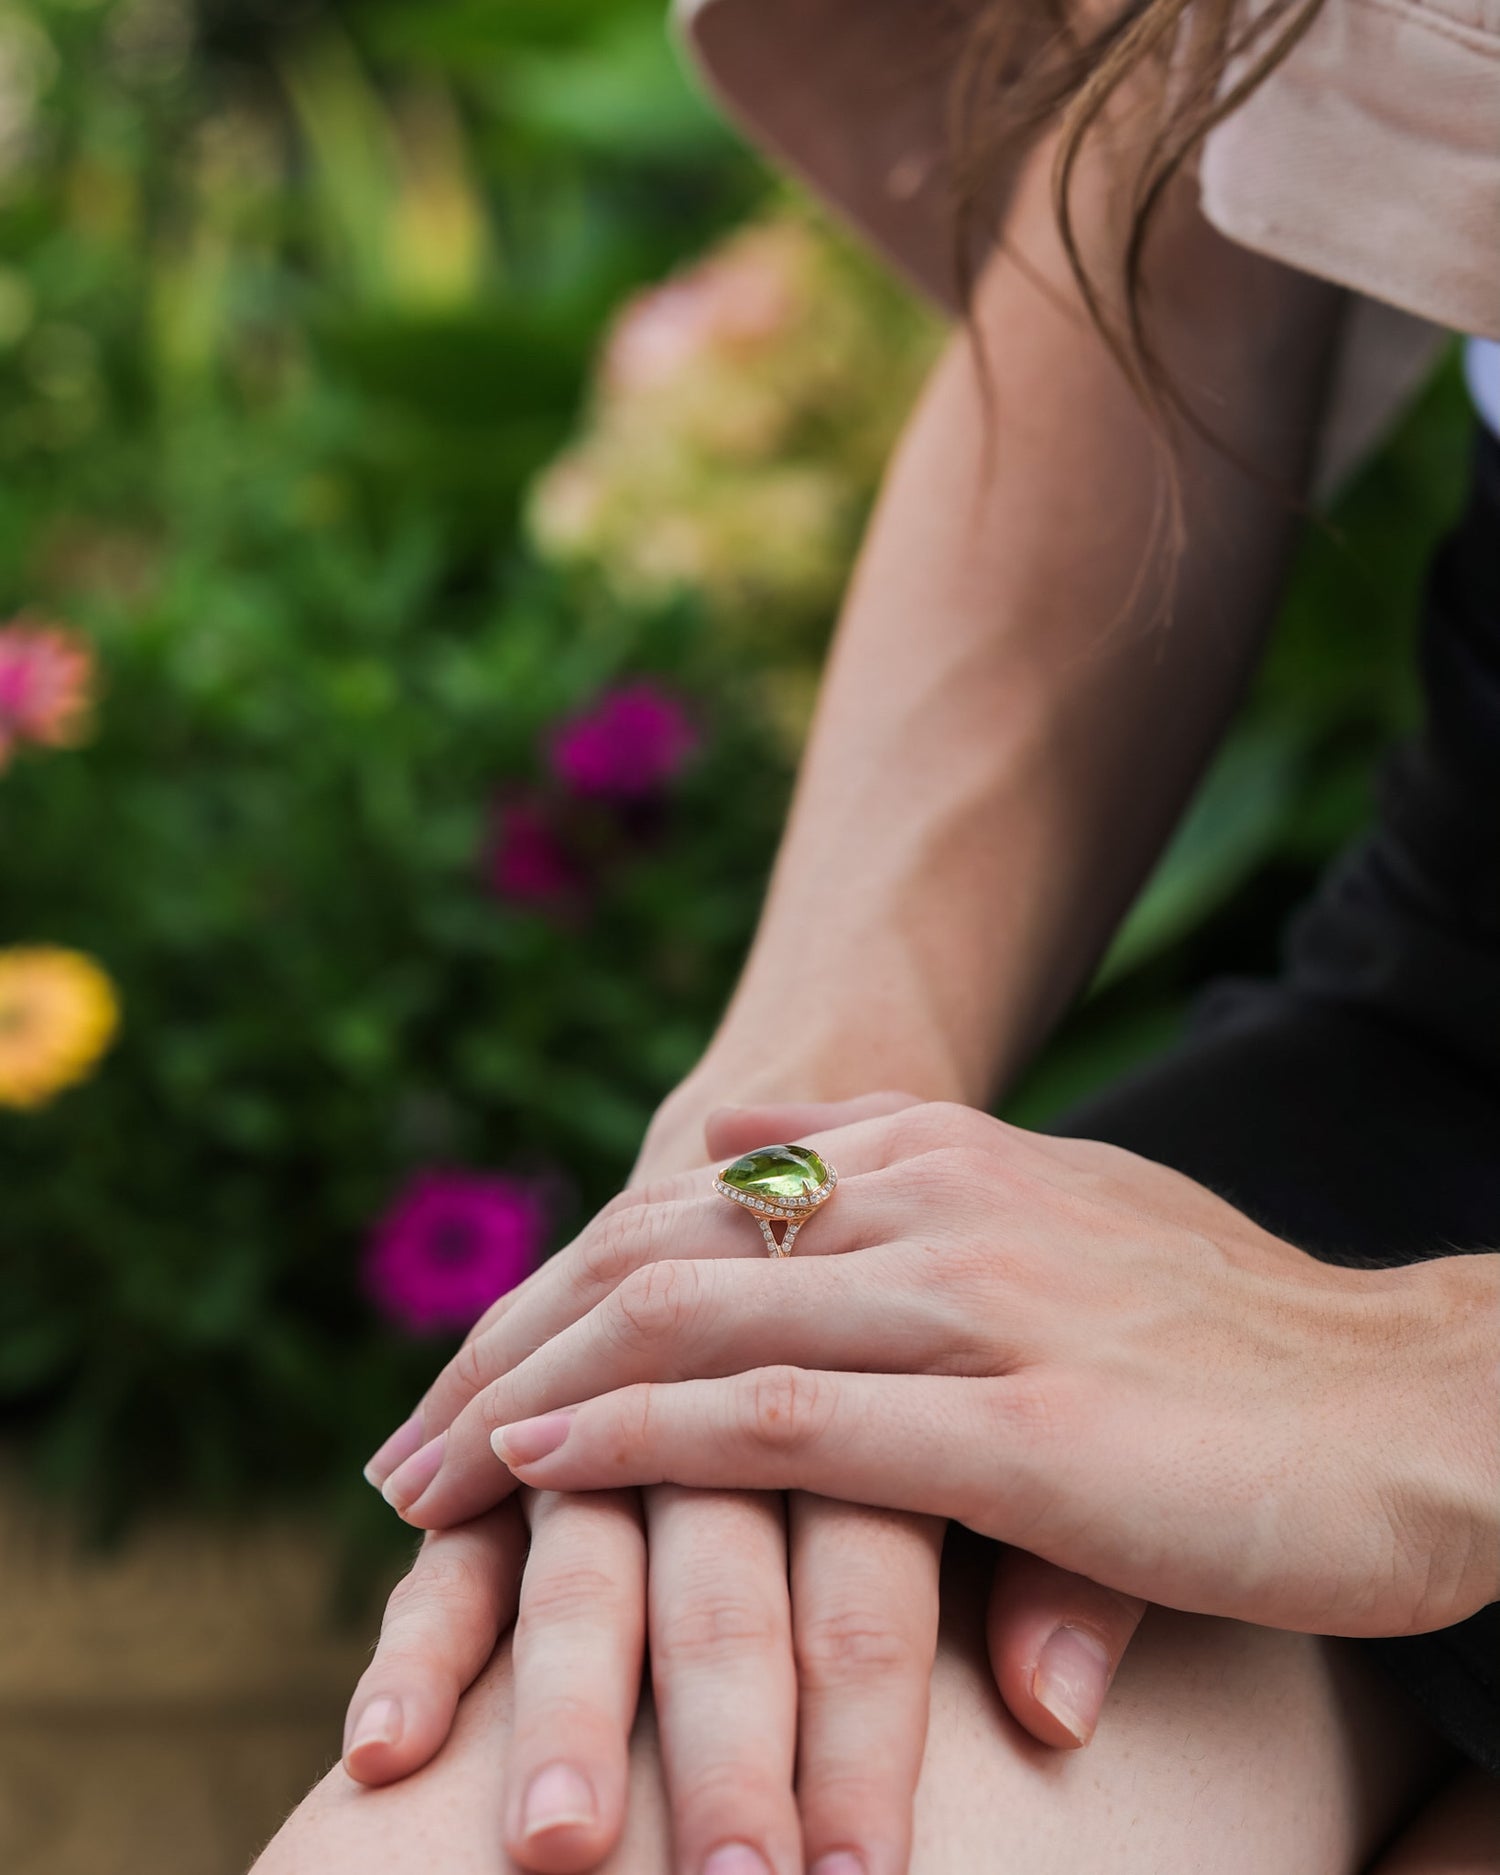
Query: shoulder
column 1369, row 156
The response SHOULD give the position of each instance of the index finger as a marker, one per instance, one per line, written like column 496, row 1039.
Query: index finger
column 664, row 1221
column 456, row 1382
column 440, row 1627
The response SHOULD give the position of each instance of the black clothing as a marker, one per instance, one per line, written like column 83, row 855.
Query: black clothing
column 1352, row 1106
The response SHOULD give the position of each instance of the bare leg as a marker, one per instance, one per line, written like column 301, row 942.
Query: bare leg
column 1226, row 1750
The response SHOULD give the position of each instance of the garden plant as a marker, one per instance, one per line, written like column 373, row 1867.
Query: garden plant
column 432, row 453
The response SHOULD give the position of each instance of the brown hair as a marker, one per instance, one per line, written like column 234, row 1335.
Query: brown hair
column 1028, row 66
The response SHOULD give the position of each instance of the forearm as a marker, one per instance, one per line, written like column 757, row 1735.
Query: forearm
column 1018, row 700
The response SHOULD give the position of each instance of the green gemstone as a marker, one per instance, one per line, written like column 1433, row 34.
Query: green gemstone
column 777, row 1172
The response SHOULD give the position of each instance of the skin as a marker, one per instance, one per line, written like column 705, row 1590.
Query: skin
column 1021, row 757
column 1053, row 1342
column 1226, row 1748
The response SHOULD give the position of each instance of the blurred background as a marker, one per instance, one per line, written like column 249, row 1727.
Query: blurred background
column 431, row 449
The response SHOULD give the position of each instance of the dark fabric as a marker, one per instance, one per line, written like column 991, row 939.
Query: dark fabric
column 1353, row 1105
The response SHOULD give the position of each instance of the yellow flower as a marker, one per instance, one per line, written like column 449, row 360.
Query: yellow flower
column 58, row 1014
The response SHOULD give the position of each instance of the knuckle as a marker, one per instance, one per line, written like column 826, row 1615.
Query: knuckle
column 569, row 1593
column 554, row 1712
column 653, row 1300
column 910, row 1131
column 784, row 1408
column 930, row 1126
column 453, row 1577
column 706, row 1630
column 1028, row 1405
column 445, row 1580
column 407, row 1659
column 853, row 1799
column 852, row 1645
column 937, row 1172
column 467, row 1369
column 493, row 1405
column 611, row 1247
column 726, row 1794
column 970, row 1164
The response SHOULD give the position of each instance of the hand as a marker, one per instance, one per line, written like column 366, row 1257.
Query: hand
column 745, row 1677
column 577, row 1664
column 1055, row 1640
column 1063, row 1346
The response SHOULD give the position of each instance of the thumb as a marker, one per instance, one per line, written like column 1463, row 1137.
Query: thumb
column 730, row 1131
column 1055, row 1641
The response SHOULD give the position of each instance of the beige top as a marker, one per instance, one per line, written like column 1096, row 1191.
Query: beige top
column 1371, row 156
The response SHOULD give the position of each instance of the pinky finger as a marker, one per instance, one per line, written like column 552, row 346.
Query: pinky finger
column 1055, row 1642
column 441, row 1625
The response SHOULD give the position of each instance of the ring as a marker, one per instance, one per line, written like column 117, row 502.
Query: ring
column 778, row 1185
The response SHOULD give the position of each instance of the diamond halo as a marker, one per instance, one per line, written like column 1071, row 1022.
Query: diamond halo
column 778, row 1184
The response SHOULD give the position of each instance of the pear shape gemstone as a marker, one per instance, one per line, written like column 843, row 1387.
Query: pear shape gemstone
column 777, row 1174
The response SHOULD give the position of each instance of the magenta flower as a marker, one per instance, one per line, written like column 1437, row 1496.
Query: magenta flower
column 630, row 744
column 449, row 1245
column 527, row 858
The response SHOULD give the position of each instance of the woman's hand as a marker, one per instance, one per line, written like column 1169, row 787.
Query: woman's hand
column 747, row 1676
column 577, row 1597
column 1057, row 1343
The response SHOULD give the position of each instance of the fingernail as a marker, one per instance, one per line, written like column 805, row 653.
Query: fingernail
column 396, row 1450
column 407, row 1482
column 555, row 1797
column 530, row 1439
column 736, row 1858
column 841, row 1862
column 1071, row 1679
column 378, row 1724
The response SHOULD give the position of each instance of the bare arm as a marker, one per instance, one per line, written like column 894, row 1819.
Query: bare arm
column 1008, row 729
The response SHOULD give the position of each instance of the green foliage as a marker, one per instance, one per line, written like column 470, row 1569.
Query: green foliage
column 296, row 303
column 277, row 362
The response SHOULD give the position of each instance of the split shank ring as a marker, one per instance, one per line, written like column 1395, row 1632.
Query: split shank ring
column 778, row 1185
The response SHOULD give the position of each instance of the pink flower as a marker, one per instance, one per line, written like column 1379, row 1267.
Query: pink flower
column 47, row 682
column 629, row 745
column 449, row 1245
column 527, row 858
column 742, row 297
